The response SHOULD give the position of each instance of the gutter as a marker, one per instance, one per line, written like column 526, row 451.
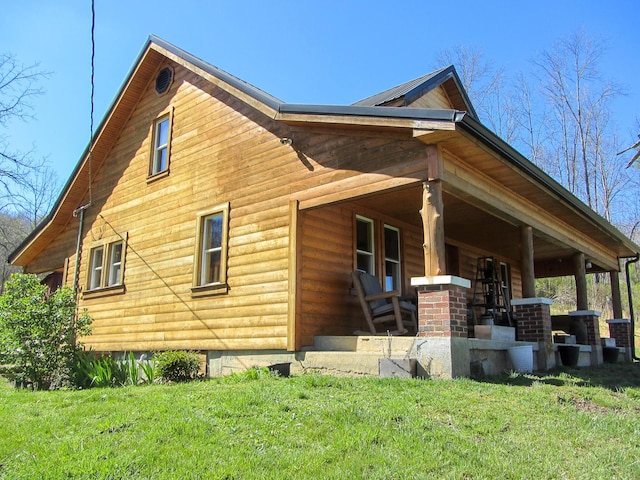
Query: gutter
column 377, row 112
column 518, row 160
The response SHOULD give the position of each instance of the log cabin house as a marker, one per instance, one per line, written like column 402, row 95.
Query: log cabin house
column 208, row 215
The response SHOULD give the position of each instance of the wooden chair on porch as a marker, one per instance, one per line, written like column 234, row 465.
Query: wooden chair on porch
column 386, row 314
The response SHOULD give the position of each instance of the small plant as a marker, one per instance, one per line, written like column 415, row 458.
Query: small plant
column 38, row 331
column 177, row 365
column 105, row 371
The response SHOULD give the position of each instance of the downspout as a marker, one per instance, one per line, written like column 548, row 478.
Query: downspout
column 629, row 261
column 76, row 271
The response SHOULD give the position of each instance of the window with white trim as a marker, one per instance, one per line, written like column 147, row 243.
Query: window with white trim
column 115, row 264
column 95, row 268
column 161, row 145
column 365, row 245
column 392, row 278
column 211, row 254
column 106, row 267
column 378, row 249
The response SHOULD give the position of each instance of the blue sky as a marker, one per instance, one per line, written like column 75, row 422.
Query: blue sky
column 326, row 52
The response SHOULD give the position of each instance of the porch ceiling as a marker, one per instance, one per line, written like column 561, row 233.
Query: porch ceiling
column 469, row 225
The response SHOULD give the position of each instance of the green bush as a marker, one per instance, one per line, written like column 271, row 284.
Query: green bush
column 38, row 332
column 177, row 365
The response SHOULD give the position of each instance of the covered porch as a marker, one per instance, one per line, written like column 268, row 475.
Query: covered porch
column 446, row 220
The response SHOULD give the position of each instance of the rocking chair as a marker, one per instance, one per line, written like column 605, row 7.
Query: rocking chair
column 382, row 308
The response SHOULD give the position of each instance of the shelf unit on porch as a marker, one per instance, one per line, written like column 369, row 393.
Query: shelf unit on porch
column 490, row 294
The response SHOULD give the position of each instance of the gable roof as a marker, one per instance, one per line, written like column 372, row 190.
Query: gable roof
column 367, row 113
column 410, row 91
column 152, row 54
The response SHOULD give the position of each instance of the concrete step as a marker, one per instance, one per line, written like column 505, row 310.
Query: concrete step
column 336, row 363
column 378, row 345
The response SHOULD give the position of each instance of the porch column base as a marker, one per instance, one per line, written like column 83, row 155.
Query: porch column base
column 442, row 306
column 591, row 320
column 620, row 330
column 533, row 324
column 442, row 325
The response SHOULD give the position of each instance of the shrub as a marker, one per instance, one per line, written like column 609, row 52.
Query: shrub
column 177, row 365
column 38, row 332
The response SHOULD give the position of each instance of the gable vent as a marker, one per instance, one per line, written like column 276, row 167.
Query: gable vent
column 163, row 80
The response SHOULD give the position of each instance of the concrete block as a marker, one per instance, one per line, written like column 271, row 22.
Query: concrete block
column 495, row 332
column 608, row 342
column 397, row 367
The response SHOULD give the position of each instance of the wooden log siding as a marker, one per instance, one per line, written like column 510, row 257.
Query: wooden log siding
column 327, row 306
column 220, row 151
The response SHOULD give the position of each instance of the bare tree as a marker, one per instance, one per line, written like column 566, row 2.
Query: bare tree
column 27, row 186
column 579, row 99
column 18, row 86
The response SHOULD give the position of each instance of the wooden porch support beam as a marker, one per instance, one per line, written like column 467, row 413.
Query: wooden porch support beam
column 580, row 274
column 433, row 226
column 526, row 262
column 616, row 299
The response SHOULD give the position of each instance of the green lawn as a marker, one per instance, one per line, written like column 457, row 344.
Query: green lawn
column 579, row 423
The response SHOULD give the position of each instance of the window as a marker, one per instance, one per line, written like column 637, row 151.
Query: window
column 387, row 259
column 211, row 255
column 95, row 269
column 365, row 245
column 392, row 277
column 505, row 280
column 211, row 249
column 115, row 264
column 161, row 145
column 106, row 268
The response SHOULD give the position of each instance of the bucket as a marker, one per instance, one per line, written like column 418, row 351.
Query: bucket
column 280, row 369
column 522, row 358
column 569, row 354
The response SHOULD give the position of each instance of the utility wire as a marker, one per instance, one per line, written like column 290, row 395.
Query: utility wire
column 93, row 56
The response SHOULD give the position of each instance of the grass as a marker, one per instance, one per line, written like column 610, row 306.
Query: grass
column 580, row 423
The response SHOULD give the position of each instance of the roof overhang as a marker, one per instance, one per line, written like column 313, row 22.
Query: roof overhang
column 451, row 127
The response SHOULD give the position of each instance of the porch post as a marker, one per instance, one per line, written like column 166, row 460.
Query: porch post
column 616, row 300
column 433, row 226
column 526, row 262
column 580, row 274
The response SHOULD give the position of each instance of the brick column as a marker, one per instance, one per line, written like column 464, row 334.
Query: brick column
column 533, row 324
column 442, row 325
column 533, row 319
column 620, row 329
column 591, row 319
column 442, row 311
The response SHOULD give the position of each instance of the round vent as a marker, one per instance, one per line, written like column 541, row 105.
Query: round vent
column 163, row 80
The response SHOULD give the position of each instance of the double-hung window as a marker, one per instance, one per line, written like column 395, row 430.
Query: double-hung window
column 365, row 245
column 95, row 275
column 106, row 266
column 392, row 277
column 161, row 145
column 211, row 255
column 387, row 257
column 115, row 264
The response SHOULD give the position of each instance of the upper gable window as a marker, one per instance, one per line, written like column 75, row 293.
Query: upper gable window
column 161, row 145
